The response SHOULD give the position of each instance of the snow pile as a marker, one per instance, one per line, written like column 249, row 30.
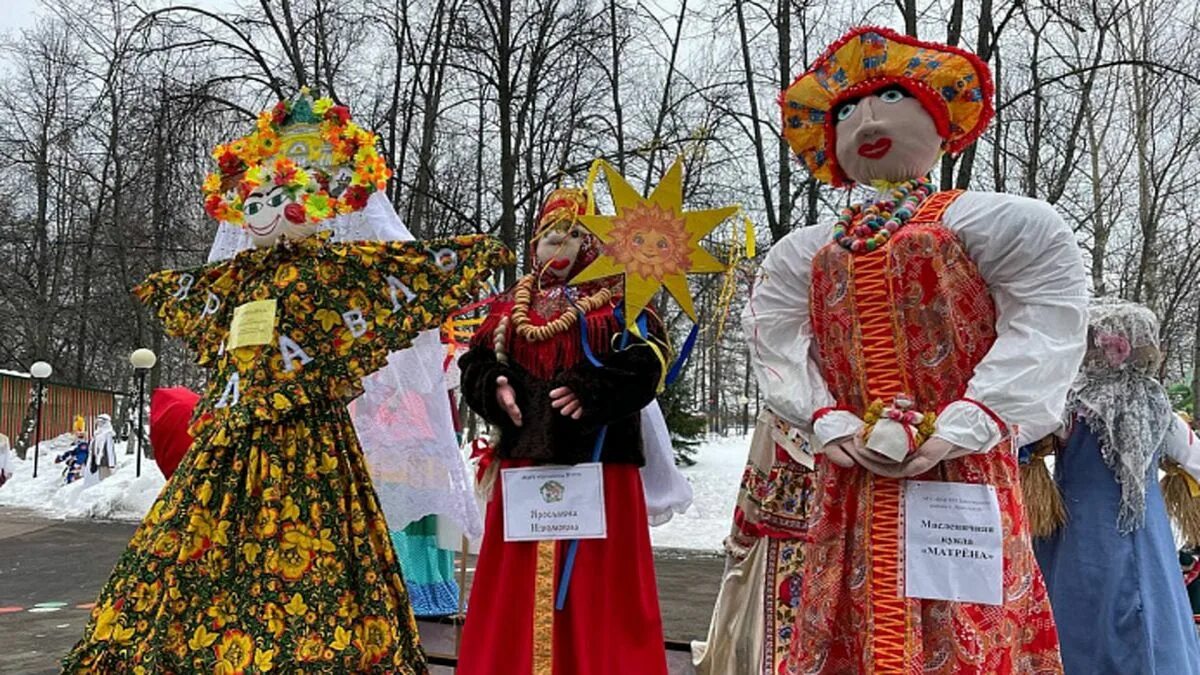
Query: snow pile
column 120, row 497
column 715, row 479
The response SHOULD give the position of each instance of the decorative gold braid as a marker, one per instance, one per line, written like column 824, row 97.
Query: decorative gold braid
column 520, row 312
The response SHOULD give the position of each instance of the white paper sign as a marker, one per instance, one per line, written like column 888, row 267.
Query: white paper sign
column 953, row 542
column 557, row 502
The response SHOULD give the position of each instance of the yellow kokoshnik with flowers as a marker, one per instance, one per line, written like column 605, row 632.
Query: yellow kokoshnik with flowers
column 293, row 135
column 267, row 551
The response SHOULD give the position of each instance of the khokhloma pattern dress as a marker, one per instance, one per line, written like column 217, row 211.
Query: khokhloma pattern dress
column 267, row 551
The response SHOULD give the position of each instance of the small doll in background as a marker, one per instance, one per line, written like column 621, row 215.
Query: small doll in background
column 75, row 458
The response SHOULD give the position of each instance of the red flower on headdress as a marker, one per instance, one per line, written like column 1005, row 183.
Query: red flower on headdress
column 355, row 197
column 279, row 112
column 341, row 112
column 285, row 170
column 229, row 163
column 212, row 205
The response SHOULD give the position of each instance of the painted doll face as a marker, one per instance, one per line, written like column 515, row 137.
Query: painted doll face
column 272, row 213
column 886, row 136
column 558, row 249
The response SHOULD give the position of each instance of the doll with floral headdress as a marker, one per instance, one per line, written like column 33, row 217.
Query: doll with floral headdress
column 956, row 316
column 527, row 373
column 267, row 550
column 1112, row 566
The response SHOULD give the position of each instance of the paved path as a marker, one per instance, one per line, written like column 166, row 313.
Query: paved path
column 51, row 571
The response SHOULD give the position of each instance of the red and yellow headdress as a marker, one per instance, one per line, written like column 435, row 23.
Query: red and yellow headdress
column 953, row 85
column 562, row 208
column 311, row 148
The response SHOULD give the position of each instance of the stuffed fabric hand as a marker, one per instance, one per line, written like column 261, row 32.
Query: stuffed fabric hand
column 506, row 396
column 841, row 451
column 929, row 454
column 566, row 402
column 851, row 450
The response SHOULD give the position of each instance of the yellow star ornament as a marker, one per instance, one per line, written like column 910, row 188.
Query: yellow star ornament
column 652, row 241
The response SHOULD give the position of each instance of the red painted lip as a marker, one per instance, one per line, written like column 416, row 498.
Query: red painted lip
column 560, row 264
column 875, row 150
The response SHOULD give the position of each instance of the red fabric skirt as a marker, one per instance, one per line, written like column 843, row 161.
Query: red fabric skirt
column 611, row 622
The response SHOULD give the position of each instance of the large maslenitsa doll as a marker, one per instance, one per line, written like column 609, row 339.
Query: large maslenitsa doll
column 268, row 550
column 915, row 340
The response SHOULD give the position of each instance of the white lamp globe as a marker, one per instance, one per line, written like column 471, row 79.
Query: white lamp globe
column 41, row 370
column 143, row 359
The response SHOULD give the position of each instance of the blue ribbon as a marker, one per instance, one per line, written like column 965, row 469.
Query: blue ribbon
column 688, row 344
column 564, row 582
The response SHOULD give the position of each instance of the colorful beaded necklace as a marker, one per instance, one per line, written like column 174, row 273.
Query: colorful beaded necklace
column 882, row 219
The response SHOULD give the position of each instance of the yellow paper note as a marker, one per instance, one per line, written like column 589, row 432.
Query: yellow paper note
column 253, row 324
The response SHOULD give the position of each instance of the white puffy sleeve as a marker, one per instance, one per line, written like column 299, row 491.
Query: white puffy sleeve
column 1183, row 447
column 782, row 351
column 1034, row 269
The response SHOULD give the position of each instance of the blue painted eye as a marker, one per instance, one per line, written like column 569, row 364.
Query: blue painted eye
column 892, row 96
column 276, row 199
column 845, row 110
column 253, row 207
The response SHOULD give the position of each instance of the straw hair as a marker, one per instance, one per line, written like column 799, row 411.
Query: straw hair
column 1182, row 504
column 1044, row 508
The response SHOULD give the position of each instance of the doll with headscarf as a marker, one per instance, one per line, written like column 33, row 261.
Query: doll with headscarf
column 953, row 320
column 1112, row 567
column 102, row 454
column 268, row 549
column 528, row 375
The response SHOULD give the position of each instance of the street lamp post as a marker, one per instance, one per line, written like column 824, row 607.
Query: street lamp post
column 41, row 371
column 143, row 360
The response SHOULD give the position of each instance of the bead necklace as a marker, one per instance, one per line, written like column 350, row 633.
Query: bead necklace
column 882, row 219
column 523, row 295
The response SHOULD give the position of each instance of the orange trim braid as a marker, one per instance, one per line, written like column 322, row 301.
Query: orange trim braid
column 872, row 299
column 543, row 610
column 888, row 605
column 934, row 207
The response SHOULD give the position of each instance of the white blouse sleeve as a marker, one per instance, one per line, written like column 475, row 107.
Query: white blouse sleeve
column 1183, row 447
column 779, row 330
column 1034, row 269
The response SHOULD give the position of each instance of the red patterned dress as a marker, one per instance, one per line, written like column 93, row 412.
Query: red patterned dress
column 914, row 317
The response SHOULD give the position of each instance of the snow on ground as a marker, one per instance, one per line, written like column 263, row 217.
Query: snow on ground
column 715, row 479
column 121, row 497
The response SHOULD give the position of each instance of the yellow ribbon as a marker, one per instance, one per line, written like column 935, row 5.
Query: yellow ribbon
column 543, row 610
column 751, row 242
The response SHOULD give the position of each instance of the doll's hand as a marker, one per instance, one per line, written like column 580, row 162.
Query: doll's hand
column 566, row 402
column 506, row 396
column 929, row 454
column 876, row 463
column 845, row 451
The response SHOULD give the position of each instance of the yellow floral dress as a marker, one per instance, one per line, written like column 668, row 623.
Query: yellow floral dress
column 267, row 551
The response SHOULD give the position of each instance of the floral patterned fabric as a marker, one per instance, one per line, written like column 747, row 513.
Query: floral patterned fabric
column 912, row 317
column 268, row 551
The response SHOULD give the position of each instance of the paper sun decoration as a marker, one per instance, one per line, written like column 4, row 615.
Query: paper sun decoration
column 652, row 241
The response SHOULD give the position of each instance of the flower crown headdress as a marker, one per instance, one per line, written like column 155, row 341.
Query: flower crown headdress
column 328, row 164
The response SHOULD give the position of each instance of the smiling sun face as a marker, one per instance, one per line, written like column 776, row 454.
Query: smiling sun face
column 650, row 241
